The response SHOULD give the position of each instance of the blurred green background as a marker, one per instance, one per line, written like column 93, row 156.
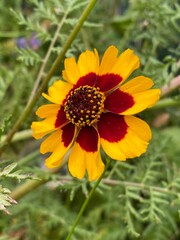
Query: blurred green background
column 138, row 199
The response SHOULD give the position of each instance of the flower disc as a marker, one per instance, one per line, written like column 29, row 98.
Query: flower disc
column 84, row 105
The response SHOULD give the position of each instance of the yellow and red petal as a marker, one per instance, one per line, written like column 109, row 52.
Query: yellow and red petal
column 66, row 137
column 85, row 155
column 132, row 97
column 88, row 62
column 125, row 64
column 41, row 128
column 137, row 139
column 60, row 118
column 85, row 71
column 71, row 71
column 118, row 101
column 58, row 91
column 123, row 137
column 89, row 79
column 99, row 76
column 48, row 110
column 108, row 60
column 143, row 100
column 104, row 82
column 112, row 127
column 108, row 81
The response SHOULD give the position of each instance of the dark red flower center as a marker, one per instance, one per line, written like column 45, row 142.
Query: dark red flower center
column 84, row 105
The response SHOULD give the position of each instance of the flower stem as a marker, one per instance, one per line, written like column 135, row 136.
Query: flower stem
column 27, row 187
column 46, row 58
column 19, row 136
column 167, row 102
column 32, row 184
column 29, row 107
column 83, row 207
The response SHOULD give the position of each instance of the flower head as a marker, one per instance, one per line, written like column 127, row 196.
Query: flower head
column 93, row 108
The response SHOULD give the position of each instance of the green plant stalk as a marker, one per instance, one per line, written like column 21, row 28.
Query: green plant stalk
column 86, row 203
column 32, row 184
column 167, row 102
column 27, row 187
column 22, row 135
column 45, row 60
column 111, row 182
column 30, row 157
column 28, row 109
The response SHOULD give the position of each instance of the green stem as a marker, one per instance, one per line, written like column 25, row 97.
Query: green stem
column 86, row 203
column 27, row 187
column 22, row 135
column 30, row 185
column 168, row 102
column 28, row 109
column 29, row 157
column 46, row 58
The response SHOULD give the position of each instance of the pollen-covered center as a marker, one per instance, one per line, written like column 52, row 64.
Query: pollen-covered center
column 84, row 105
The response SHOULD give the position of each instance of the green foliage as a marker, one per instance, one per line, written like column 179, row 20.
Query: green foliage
column 5, row 200
column 29, row 57
column 8, row 172
column 5, row 81
column 4, row 125
column 137, row 199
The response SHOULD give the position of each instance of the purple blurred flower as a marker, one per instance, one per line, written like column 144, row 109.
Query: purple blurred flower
column 31, row 42
column 21, row 42
column 34, row 43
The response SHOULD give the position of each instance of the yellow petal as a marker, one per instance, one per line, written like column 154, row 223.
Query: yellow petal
column 94, row 165
column 41, row 128
column 71, row 72
column 132, row 146
column 139, row 127
column 137, row 84
column 143, row 100
column 113, row 150
column 88, row 62
column 108, row 60
column 48, row 110
column 66, row 138
column 55, row 158
column 64, row 75
column 77, row 162
column 58, row 92
column 125, row 64
column 80, row 160
column 51, row 142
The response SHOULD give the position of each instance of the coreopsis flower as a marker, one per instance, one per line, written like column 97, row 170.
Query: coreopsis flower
column 93, row 108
